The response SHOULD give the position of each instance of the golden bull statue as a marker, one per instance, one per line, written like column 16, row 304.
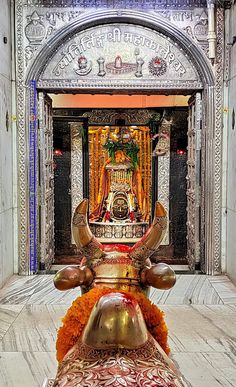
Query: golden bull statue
column 115, row 348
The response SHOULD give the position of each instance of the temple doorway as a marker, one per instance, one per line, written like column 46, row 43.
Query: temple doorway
column 148, row 163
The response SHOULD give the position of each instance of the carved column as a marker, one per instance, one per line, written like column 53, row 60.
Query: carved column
column 76, row 164
column 163, row 180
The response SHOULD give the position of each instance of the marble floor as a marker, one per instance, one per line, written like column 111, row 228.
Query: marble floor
column 200, row 313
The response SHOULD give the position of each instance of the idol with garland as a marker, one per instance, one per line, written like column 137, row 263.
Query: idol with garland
column 121, row 197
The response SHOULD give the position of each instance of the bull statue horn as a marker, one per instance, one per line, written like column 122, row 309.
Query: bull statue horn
column 84, row 239
column 150, row 242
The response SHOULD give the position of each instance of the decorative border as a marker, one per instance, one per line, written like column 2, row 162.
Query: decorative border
column 76, row 165
column 22, row 143
column 147, row 4
column 218, row 139
column 103, row 84
column 32, row 177
column 163, row 182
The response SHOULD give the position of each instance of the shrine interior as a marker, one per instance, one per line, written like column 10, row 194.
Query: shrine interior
column 123, row 153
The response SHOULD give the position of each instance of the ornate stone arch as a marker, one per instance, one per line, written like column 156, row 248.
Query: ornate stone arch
column 202, row 66
column 140, row 18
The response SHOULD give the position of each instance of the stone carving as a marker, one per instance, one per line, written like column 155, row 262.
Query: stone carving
column 216, row 267
column 151, row 4
column 22, row 145
column 35, row 30
column 140, row 63
column 201, row 28
column 171, row 86
column 157, row 66
column 59, row 14
column 193, row 180
column 110, row 116
column 120, row 67
column 63, row 16
column 101, row 67
column 168, row 63
column 84, row 66
column 76, row 164
column 46, row 180
column 193, row 21
column 162, row 149
column 189, row 31
column 29, row 52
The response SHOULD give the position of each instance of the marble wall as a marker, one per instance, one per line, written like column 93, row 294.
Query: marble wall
column 6, row 171
column 231, row 162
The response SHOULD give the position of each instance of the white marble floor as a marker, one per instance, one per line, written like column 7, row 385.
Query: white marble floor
column 200, row 313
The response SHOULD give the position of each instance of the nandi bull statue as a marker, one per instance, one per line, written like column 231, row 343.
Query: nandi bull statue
column 106, row 339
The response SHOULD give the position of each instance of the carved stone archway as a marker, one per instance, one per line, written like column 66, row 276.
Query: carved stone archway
column 140, row 18
column 202, row 67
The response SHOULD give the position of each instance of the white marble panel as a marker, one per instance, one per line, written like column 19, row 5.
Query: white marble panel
column 200, row 328
column 233, row 33
column 231, row 180
column 5, row 49
column 19, row 289
column 38, row 289
column 189, row 289
column 231, row 164
column 1, row 253
column 222, row 284
column 26, row 369
column 33, row 330
column 207, row 369
column 201, row 337
column 6, row 246
column 46, row 293
column 8, row 314
column 6, row 196
column 5, row 146
column 230, row 247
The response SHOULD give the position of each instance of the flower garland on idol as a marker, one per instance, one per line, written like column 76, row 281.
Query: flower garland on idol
column 78, row 314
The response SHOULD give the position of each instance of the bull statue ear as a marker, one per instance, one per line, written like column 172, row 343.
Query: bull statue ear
column 72, row 276
column 159, row 276
column 84, row 239
column 150, row 242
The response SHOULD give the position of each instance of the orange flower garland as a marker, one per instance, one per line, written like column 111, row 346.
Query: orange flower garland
column 78, row 314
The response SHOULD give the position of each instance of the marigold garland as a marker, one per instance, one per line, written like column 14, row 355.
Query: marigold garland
column 78, row 314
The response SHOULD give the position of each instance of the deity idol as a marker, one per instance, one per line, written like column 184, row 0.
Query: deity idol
column 121, row 197
column 112, row 334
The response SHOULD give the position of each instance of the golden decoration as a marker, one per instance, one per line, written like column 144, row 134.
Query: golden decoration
column 78, row 314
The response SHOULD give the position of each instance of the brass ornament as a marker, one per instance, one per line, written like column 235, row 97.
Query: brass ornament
column 150, row 242
column 160, row 276
column 117, row 271
column 84, row 239
column 144, row 366
column 115, row 322
column 72, row 276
